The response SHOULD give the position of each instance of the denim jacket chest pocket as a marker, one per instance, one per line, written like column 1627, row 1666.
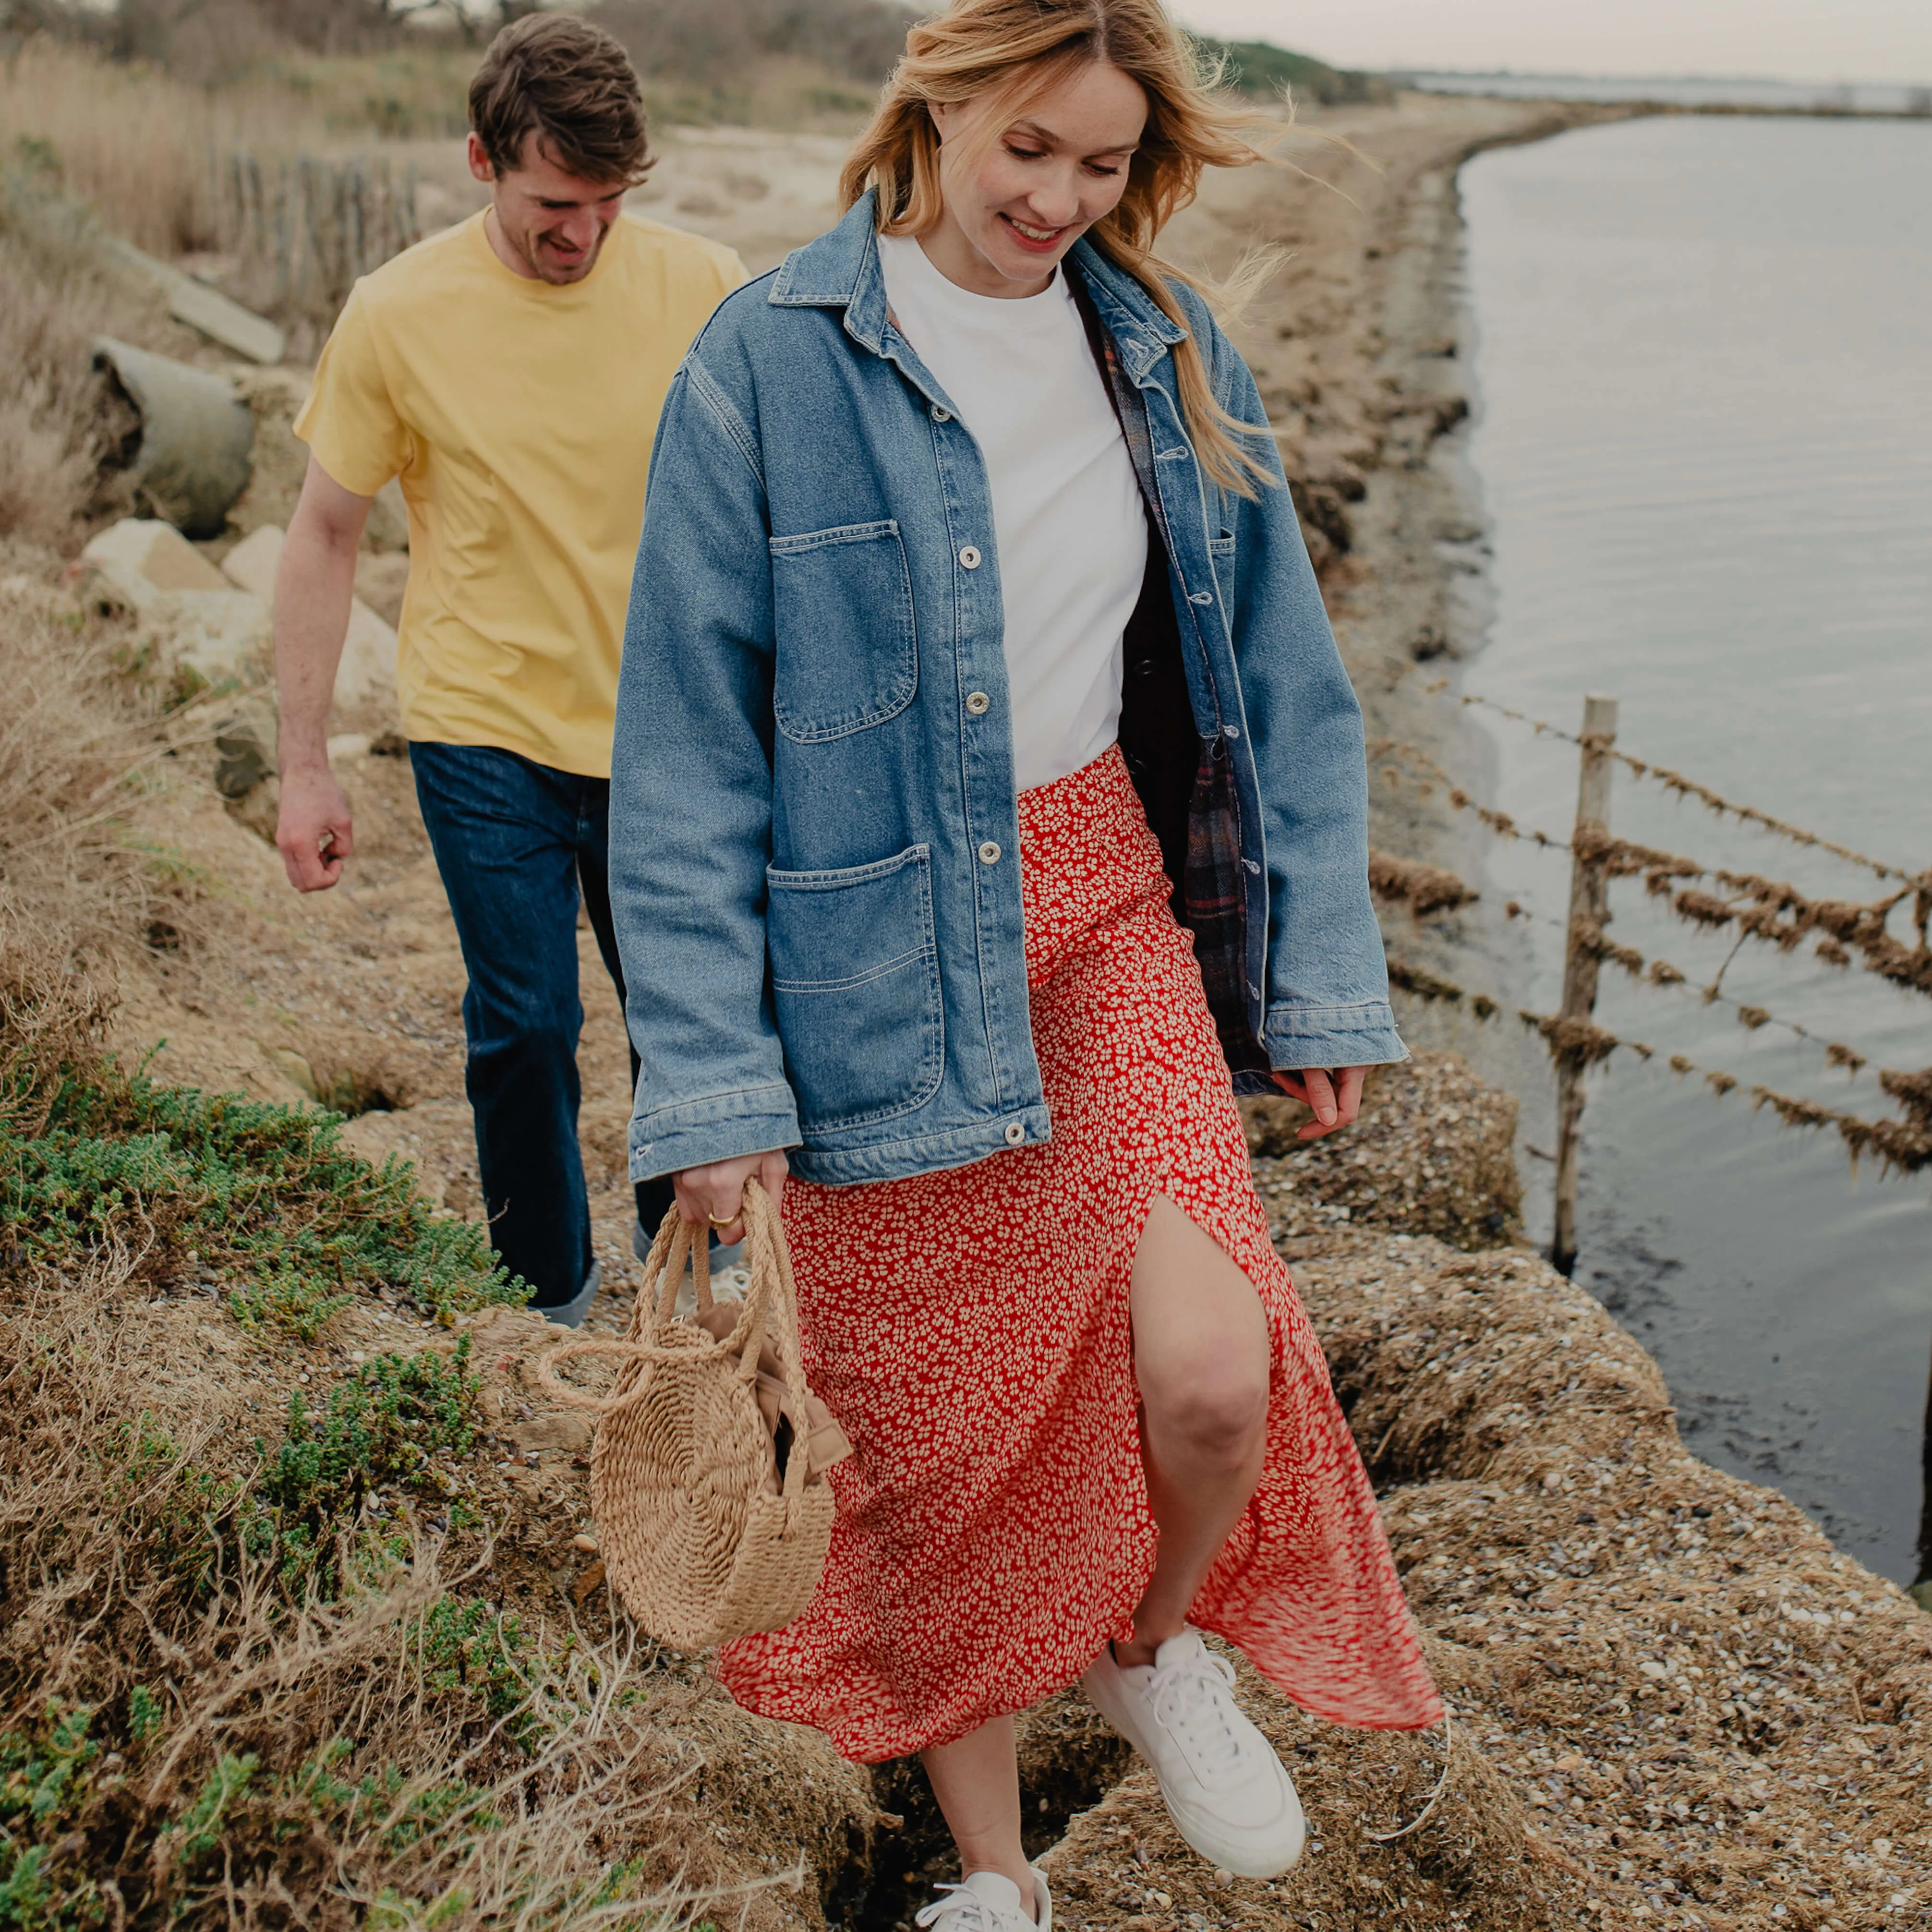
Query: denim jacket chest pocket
column 842, row 602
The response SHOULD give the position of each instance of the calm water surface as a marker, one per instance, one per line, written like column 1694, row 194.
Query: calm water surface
column 1703, row 446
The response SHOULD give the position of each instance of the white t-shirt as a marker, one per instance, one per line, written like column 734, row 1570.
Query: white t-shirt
column 1067, row 521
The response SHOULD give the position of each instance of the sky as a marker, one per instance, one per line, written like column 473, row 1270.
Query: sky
column 1784, row 40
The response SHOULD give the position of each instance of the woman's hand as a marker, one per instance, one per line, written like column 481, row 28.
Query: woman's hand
column 1334, row 1093
column 714, row 1196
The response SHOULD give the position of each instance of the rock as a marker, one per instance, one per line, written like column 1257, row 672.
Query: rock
column 191, row 458
column 568, row 1429
column 244, row 748
column 368, row 666
column 202, row 308
column 204, row 621
column 146, row 560
column 294, row 1068
column 382, row 579
column 260, row 809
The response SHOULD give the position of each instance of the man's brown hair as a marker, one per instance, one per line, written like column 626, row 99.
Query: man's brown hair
column 572, row 85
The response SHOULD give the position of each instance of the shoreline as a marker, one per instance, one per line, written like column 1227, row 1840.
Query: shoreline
column 1376, row 460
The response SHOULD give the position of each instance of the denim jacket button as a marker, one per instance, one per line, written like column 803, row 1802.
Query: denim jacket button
column 989, row 853
column 969, row 558
column 940, row 414
column 1015, row 1133
column 978, row 703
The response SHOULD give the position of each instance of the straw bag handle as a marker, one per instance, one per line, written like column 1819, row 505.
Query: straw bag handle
column 771, row 1313
column 650, row 1319
column 671, row 1246
column 773, row 1291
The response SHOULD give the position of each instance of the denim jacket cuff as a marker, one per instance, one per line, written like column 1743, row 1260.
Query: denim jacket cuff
column 1363, row 1034
column 720, row 1126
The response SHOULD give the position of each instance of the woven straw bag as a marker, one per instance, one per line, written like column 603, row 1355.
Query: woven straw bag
column 707, row 1475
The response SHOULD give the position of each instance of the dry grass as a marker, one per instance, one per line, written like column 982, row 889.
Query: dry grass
column 56, row 296
column 83, row 740
column 349, row 1765
column 134, row 142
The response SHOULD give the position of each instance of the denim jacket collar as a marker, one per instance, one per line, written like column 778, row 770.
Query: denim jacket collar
column 841, row 270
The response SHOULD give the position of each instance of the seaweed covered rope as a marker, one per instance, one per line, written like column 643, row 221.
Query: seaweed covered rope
column 970, row 1329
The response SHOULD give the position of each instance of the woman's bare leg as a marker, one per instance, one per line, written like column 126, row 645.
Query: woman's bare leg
column 977, row 1781
column 1202, row 1354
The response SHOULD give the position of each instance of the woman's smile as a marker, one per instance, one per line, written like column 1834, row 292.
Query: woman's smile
column 1046, row 240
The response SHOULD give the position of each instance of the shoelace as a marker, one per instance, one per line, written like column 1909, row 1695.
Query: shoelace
column 1191, row 1701
column 965, row 1911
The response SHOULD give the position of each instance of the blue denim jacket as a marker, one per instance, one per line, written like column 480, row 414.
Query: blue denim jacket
column 815, row 850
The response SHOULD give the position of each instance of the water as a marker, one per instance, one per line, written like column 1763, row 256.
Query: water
column 1692, row 90
column 1703, row 447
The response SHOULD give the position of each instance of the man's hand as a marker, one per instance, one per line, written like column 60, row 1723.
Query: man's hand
column 312, row 830
column 714, row 1196
column 1334, row 1093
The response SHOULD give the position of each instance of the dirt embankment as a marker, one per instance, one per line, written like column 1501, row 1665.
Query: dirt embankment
column 1674, row 1704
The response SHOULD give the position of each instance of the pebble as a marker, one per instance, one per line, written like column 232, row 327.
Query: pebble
column 588, row 1544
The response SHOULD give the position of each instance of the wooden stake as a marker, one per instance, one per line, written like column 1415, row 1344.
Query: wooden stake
column 1921, row 1588
column 1589, row 911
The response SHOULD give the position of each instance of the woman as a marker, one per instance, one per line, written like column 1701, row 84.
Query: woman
column 987, row 792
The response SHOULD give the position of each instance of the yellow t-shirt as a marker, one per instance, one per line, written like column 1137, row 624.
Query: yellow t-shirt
column 519, row 415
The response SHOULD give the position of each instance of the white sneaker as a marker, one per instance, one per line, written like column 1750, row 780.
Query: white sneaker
column 1228, row 1793
column 989, row 1902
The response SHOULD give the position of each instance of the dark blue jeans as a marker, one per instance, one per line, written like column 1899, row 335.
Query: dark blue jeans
column 516, row 843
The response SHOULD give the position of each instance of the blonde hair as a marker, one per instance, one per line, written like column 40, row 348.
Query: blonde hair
column 1013, row 52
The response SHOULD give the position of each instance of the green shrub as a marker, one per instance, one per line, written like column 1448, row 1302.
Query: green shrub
column 387, row 1424
column 248, row 1184
column 464, row 1643
column 1260, row 68
column 45, row 1780
column 286, row 1299
column 379, row 1794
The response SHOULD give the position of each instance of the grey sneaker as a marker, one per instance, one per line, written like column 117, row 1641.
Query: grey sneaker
column 987, row 1902
column 1228, row 1793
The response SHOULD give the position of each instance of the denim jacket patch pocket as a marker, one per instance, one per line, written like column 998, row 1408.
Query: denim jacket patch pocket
column 842, row 602
column 855, row 984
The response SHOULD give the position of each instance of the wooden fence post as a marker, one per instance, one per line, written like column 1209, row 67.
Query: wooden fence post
column 1921, row 1588
column 1589, row 911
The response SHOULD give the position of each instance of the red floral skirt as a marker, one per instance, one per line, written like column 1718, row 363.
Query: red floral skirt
column 970, row 1330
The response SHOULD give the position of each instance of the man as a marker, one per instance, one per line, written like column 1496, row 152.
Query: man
column 511, row 372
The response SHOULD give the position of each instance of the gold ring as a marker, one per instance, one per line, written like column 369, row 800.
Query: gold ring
column 722, row 1220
